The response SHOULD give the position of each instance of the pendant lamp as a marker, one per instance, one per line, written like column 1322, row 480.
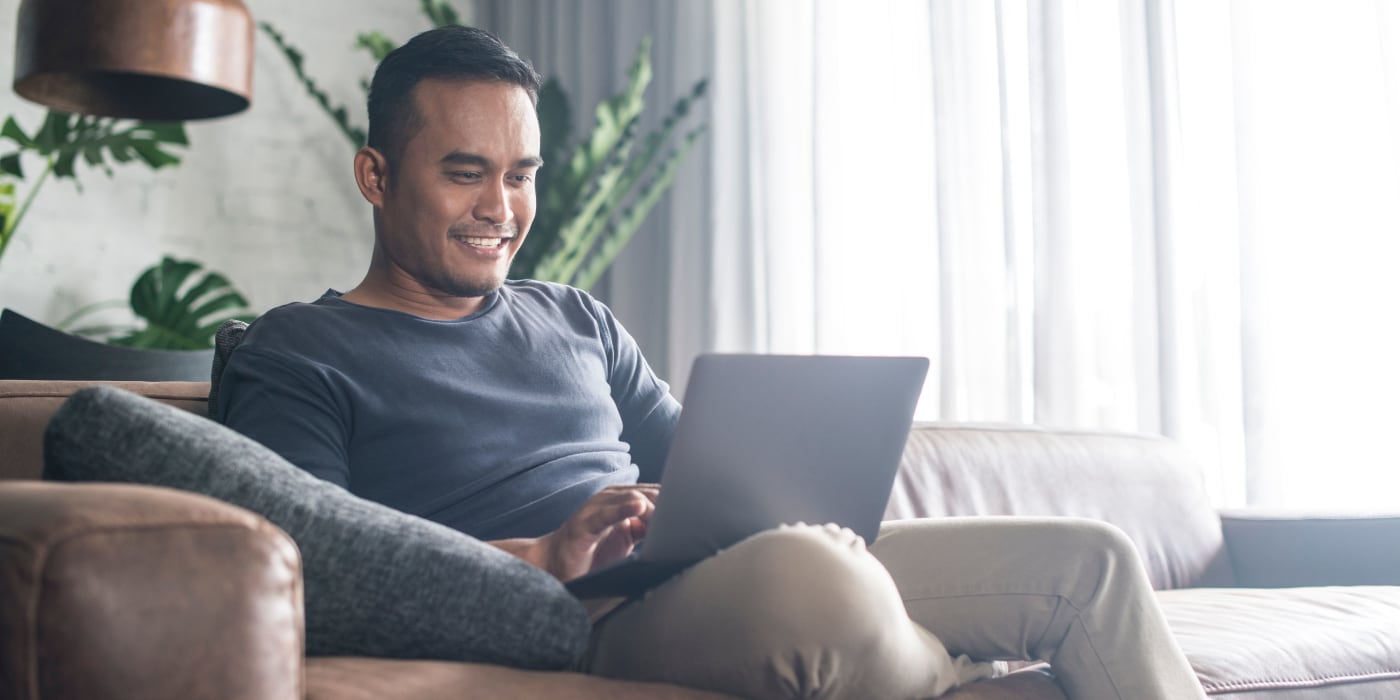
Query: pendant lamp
column 161, row 60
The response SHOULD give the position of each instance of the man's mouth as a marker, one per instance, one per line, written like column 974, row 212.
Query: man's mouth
column 478, row 242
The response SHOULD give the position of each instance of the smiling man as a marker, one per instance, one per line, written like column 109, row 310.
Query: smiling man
column 521, row 413
column 452, row 185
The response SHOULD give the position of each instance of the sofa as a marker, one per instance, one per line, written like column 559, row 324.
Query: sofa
column 116, row 591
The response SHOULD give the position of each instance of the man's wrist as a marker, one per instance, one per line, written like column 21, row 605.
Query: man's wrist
column 532, row 550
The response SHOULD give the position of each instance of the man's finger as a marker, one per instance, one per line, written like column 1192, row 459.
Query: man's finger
column 651, row 491
column 606, row 515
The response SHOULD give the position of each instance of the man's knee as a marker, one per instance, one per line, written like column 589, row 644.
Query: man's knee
column 777, row 595
column 821, row 613
column 819, row 580
column 1100, row 543
column 802, row 611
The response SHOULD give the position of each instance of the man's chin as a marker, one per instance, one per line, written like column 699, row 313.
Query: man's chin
column 465, row 288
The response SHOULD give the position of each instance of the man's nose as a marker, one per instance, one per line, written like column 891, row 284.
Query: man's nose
column 492, row 204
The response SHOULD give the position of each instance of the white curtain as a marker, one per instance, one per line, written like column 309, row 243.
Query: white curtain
column 1163, row 217
column 991, row 184
column 1316, row 95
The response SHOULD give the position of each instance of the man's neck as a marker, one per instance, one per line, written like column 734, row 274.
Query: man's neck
column 423, row 303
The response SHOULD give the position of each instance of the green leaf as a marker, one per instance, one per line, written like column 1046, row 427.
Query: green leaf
column 164, row 132
column 13, row 132
column 54, row 131
column 7, row 202
column 63, row 165
column 152, row 155
column 376, row 43
column 632, row 219
column 440, row 13
column 11, row 165
column 182, row 308
column 92, row 153
column 228, row 301
column 121, row 152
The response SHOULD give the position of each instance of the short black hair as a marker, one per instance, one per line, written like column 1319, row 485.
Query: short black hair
column 452, row 53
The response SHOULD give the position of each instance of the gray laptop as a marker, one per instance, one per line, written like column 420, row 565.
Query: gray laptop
column 765, row 440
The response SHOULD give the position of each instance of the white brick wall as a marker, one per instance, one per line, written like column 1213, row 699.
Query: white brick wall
column 265, row 196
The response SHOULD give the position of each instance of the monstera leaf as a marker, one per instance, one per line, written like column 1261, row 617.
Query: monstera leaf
column 182, row 309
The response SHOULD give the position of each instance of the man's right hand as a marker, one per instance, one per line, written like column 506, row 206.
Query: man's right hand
column 601, row 532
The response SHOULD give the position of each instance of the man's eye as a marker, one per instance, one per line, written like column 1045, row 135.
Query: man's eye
column 466, row 175
column 522, row 178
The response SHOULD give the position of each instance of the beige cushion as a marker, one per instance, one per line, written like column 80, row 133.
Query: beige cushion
column 1278, row 644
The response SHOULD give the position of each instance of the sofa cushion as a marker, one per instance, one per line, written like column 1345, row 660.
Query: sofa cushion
column 1325, row 643
column 378, row 582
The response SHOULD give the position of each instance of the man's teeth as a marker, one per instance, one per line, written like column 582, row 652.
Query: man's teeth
column 484, row 242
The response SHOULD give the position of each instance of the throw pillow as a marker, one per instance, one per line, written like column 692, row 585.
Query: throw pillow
column 378, row 582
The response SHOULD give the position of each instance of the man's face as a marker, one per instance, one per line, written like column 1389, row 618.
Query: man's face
column 461, row 197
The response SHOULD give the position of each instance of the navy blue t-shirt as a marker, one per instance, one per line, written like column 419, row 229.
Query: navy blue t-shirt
column 500, row 424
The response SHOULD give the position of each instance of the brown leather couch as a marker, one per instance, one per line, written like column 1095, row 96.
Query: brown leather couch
column 112, row 591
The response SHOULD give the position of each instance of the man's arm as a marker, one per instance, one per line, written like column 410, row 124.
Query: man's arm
column 649, row 412
column 288, row 407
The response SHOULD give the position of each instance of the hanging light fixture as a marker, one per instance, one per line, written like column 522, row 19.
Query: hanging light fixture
column 163, row 60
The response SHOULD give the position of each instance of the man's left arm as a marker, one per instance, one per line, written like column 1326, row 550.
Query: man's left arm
column 648, row 410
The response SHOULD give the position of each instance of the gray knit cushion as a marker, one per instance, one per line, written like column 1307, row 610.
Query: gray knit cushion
column 378, row 582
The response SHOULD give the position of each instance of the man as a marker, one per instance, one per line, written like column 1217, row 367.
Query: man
column 522, row 413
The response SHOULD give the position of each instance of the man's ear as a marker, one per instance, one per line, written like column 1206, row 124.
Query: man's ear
column 372, row 175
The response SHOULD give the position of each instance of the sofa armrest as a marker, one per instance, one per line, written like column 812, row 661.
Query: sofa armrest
column 1277, row 550
column 123, row 591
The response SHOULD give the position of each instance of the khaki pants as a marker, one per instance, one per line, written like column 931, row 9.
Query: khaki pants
column 808, row 612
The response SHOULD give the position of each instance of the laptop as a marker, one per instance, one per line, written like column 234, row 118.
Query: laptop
column 767, row 440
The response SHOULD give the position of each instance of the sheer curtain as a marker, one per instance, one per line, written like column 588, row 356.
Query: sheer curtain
column 991, row 184
column 1316, row 140
column 1130, row 214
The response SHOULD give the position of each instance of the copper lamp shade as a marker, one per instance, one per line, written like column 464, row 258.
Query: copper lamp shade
column 163, row 60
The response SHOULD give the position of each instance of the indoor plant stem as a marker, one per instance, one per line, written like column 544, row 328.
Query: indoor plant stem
column 13, row 223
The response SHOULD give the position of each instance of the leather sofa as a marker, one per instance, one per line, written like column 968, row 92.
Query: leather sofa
column 116, row 591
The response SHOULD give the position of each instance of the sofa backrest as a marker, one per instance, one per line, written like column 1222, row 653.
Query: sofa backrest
column 1148, row 486
column 26, row 406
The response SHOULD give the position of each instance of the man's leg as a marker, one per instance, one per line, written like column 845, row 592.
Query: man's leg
column 797, row 612
column 1069, row 591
